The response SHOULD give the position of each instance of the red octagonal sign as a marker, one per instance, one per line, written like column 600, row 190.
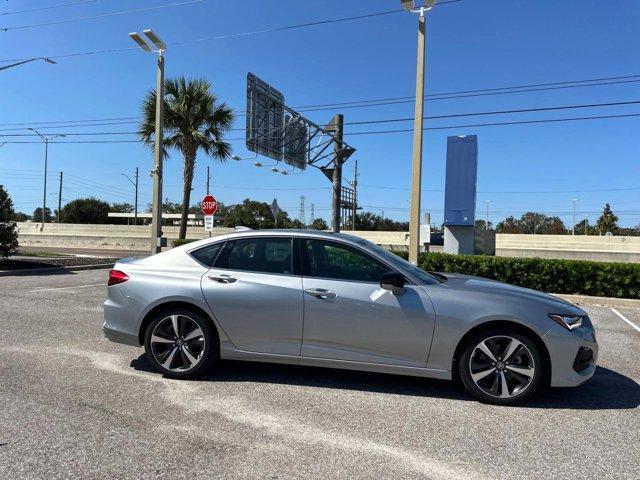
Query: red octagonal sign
column 209, row 205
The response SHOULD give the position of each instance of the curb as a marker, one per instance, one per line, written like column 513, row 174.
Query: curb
column 39, row 271
column 601, row 301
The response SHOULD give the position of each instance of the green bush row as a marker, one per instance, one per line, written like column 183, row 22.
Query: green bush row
column 180, row 241
column 601, row 279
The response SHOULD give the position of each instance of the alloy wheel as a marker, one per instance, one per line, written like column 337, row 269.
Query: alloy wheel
column 502, row 366
column 177, row 343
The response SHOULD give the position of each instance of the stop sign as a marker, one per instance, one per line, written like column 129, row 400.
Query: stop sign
column 209, row 205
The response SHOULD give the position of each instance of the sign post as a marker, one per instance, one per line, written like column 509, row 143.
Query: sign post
column 209, row 207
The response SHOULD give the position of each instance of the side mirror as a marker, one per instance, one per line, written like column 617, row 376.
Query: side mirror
column 393, row 281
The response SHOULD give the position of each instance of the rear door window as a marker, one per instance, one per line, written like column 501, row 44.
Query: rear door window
column 259, row 254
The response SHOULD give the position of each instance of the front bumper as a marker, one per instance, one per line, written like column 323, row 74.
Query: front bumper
column 569, row 352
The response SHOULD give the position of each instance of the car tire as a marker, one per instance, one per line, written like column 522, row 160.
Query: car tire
column 502, row 367
column 187, row 353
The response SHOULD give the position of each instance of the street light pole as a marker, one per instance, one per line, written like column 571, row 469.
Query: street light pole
column 156, row 209
column 46, row 140
column 573, row 225
column 416, row 170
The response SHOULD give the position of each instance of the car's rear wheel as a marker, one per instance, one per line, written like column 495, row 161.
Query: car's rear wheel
column 502, row 367
column 181, row 343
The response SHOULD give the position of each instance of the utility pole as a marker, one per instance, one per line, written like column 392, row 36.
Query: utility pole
column 45, row 139
column 208, row 179
column 355, row 197
column 488, row 202
column 60, row 197
column 135, row 207
column 337, row 124
column 135, row 185
column 573, row 224
column 416, row 174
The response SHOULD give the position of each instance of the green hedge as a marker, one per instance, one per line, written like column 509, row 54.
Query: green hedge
column 601, row 279
column 177, row 242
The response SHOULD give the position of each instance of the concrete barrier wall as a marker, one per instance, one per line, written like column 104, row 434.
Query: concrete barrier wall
column 570, row 247
column 132, row 237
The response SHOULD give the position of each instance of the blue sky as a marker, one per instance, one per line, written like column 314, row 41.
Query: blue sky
column 471, row 45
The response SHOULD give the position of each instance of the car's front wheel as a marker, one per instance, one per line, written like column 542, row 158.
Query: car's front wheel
column 181, row 344
column 502, row 367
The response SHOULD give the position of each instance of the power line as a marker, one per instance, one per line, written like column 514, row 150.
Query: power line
column 230, row 35
column 480, row 90
column 135, row 119
column 379, row 132
column 104, row 15
column 365, row 122
column 498, row 112
column 471, row 95
column 51, row 7
column 523, row 122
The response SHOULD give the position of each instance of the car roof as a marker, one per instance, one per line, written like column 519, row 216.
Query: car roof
column 289, row 232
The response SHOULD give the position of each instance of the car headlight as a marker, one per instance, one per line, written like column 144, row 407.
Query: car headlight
column 570, row 322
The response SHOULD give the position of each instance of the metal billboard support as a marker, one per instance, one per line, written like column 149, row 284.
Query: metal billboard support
column 281, row 133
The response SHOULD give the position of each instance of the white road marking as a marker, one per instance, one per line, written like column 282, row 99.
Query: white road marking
column 633, row 325
column 67, row 288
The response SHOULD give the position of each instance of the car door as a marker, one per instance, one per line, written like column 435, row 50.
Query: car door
column 256, row 296
column 347, row 316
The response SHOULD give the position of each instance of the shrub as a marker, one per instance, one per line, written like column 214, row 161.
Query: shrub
column 602, row 279
column 180, row 241
column 86, row 210
column 8, row 231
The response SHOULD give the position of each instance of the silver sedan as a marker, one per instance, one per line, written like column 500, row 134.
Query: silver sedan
column 334, row 300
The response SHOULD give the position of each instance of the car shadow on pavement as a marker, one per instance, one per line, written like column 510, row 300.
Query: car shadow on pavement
column 607, row 390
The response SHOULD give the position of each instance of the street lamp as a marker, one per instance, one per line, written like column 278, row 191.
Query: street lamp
column 45, row 139
column 238, row 158
column 156, row 209
column 416, row 175
column 573, row 226
column 46, row 59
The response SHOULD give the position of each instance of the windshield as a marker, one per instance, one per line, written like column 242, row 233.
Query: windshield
column 423, row 277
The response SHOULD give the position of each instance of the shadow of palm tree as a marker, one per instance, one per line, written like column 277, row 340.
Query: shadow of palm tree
column 607, row 390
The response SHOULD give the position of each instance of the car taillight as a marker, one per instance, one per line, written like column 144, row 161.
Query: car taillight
column 116, row 276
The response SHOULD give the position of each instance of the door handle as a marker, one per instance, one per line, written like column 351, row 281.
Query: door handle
column 222, row 278
column 321, row 293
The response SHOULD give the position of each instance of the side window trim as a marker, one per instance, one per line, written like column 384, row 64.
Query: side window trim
column 306, row 265
column 223, row 256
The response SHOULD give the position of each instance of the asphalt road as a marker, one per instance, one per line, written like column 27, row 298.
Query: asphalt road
column 73, row 405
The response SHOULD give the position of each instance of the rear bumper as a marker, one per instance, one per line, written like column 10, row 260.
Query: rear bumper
column 117, row 336
column 120, row 320
column 564, row 347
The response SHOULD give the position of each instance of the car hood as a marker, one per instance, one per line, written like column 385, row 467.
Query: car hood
column 494, row 287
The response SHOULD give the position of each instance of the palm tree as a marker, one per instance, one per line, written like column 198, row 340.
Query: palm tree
column 193, row 120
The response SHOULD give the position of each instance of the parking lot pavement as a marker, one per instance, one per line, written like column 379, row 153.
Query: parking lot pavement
column 73, row 405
